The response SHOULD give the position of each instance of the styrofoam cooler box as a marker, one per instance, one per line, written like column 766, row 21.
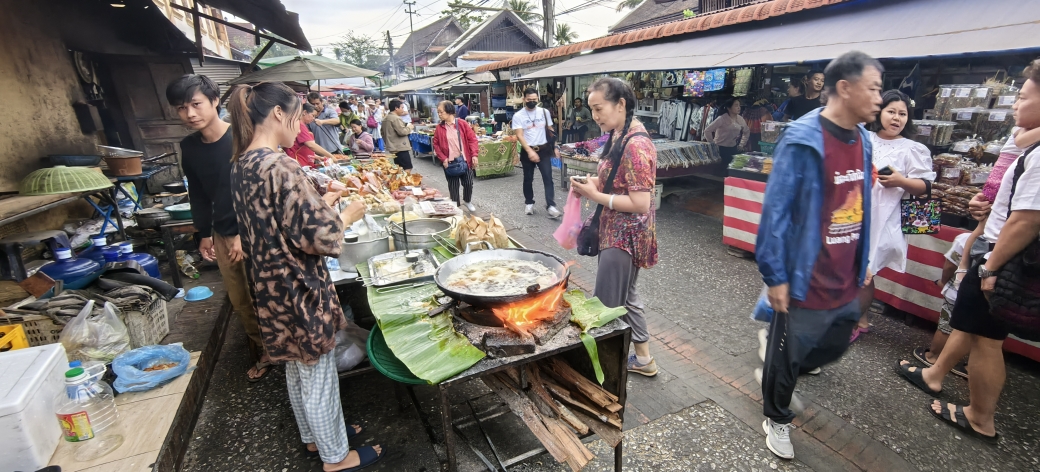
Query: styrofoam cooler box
column 30, row 381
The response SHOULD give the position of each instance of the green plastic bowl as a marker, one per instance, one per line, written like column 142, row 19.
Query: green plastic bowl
column 181, row 211
column 384, row 360
column 61, row 179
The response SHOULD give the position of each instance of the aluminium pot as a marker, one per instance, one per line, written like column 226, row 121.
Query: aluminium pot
column 554, row 263
column 353, row 252
column 421, row 233
column 151, row 218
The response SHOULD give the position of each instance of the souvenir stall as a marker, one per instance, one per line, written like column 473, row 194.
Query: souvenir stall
column 965, row 131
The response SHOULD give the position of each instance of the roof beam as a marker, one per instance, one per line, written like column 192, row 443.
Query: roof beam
column 229, row 24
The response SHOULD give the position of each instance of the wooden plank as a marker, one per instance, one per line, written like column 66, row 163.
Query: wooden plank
column 573, row 380
column 19, row 205
column 564, row 396
column 524, row 409
column 539, row 395
column 607, row 433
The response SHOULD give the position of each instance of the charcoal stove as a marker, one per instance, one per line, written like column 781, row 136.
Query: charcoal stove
column 498, row 338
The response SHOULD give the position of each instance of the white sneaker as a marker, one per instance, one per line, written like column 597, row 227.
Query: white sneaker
column 778, row 438
column 529, row 209
column 758, row 376
column 470, row 207
column 763, row 341
column 554, row 213
column 815, row 371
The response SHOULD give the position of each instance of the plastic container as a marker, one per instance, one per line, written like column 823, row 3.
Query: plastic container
column 33, row 379
column 74, row 273
column 96, row 251
column 86, row 412
column 148, row 262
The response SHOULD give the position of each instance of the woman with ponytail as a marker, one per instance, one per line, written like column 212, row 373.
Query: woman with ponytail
column 627, row 230
column 287, row 229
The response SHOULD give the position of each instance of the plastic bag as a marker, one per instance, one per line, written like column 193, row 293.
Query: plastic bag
column 763, row 311
column 350, row 347
column 100, row 337
column 567, row 233
column 170, row 360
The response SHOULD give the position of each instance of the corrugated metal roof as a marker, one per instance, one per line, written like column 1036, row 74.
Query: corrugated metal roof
column 220, row 70
column 758, row 11
column 423, row 83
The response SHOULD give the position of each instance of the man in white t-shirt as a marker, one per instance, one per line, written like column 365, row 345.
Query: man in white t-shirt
column 529, row 125
column 1013, row 223
column 407, row 116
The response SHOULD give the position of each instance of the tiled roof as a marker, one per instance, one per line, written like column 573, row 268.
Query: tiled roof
column 650, row 13
column 753, row 12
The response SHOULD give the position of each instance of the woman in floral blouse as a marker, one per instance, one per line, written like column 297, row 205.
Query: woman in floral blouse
column 628, row 239
column 287, row 229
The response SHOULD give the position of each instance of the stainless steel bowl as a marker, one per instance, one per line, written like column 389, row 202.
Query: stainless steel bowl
column 421, row 233
column 150, row 218
column 352, row 254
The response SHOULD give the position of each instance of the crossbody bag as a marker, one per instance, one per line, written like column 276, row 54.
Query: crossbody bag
column 457, row 166
column 588, row 237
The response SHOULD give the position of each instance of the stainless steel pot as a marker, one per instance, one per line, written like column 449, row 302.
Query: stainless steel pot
column 353, row 253
column 421, row 233
column 150, row 218
column 557, row 265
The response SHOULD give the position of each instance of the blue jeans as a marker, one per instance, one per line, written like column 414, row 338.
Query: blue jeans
column 799, row 341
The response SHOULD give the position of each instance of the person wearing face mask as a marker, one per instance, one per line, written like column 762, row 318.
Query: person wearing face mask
column 287, row 231
column 904, row 168
column 813, row 238
column 810, row 101
column 530, row 126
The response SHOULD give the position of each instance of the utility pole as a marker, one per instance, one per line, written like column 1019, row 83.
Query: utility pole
column 411, row 11
column 548, row 23
column 390, row 49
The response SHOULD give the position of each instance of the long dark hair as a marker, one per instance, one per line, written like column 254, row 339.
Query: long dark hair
column 890, row 96
column 250, row 105
column 614, row 90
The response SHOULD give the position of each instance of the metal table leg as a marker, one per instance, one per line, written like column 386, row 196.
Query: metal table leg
column 171, row 256
column 563, row 174
column 449, row 435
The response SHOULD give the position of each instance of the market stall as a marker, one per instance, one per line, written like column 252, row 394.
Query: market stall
column 497, row 157
column 674, row 158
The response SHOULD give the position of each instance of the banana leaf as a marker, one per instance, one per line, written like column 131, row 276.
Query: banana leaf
column 589, row 313
column 429, row 347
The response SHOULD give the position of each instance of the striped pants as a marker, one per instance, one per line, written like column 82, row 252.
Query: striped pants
column 466, row 181
column 314, row 394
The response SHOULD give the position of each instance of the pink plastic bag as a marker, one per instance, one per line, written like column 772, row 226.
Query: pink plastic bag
column 567, row 233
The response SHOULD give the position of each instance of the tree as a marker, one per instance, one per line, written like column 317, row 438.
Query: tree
column 277, row 50
column 629, row 5
column 467, row 18
column 564, row 34
column 525, row 10
column 359, row 50
column 319, row 51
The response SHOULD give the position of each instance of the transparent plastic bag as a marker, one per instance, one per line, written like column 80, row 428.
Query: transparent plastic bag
column 567, row 233
column 350, row 347
column 95, row 337
column 170, row 360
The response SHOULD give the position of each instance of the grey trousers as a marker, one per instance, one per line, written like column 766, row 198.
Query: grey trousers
column 616, row 286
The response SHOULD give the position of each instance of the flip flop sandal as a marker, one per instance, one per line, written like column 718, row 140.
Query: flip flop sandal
column 962, row 422
column 921, row 354
column 368, row 456
column 350, row 435
column 856, row 332
column 960, row 370
column 265, row 368
column 915, row 377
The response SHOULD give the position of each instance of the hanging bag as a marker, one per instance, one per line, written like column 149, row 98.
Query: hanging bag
column 920, row 215
column 588, row 237
column 1016, row 295
column 458, row 166
column 371, row 121
column 550, row 132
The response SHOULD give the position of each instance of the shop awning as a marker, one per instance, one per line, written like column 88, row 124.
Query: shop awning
column 425, row 83
column 269, row 15
column 882, row 29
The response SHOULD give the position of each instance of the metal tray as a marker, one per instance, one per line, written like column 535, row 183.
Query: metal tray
column 378, row 277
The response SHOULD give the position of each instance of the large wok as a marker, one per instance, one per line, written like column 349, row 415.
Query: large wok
column 554, row 263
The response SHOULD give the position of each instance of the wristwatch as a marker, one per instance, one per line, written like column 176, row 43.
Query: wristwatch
column 984, row 273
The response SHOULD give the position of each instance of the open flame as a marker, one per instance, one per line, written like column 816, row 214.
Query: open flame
column 524, row 313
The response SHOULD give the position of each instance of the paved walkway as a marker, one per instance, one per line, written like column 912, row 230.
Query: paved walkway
column 702, row 412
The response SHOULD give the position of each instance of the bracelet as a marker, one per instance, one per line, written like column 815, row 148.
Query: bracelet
column 611, row 202
column 961, row 271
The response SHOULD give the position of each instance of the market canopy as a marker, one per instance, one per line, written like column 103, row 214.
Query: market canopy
column 425, row 83
column 268, row 15
column 881, row 28
column 304, row 69
column 268, row 62
column 471, row 82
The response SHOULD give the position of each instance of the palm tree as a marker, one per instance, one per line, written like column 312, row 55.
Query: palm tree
column 319, row 51
column 628, row 4
column 525, row 10
column 564, row 34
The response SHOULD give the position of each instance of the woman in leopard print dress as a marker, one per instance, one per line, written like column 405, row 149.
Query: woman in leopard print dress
column 287, row 229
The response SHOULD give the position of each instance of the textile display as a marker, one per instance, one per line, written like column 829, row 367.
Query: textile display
column 742, row 83
column 694, row 85
column 497, row 158
column 714, row 80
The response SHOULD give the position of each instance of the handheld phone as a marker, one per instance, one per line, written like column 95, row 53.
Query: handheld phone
column 580, row 179
column 887, row 170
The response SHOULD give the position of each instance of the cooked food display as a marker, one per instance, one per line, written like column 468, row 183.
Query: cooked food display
column 501, row 277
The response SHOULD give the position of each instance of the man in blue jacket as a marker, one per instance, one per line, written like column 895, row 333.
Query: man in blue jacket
column 813, row 237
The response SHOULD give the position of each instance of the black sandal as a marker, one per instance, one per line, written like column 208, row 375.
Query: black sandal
column 960, row 370
column 368, row 456
column 913, row 374
column 262, row 369
column 961, row 422
column 351, row 433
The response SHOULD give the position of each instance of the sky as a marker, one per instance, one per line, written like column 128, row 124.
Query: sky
column 325, row 21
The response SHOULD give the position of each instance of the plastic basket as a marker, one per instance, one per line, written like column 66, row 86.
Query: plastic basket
column 384, row 360
column 767, row 147
column 12, row 337
column 39, row 330
column 150, row 326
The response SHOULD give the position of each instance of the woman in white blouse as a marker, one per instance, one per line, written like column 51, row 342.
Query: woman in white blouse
column 729, row 131
column 911, row 166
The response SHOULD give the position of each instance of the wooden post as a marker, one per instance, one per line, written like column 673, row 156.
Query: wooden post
column 198, row 31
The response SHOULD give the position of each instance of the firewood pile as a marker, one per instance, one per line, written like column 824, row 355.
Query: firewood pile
column 558, row 405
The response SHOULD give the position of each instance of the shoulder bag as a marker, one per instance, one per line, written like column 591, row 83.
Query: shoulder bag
column 457, row 166
column 371, row 121
column 1016, row 295
column 920, row 215
column 588, row 237
column 550, row 132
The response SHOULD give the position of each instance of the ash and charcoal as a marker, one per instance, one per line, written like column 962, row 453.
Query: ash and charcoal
column 493, row 336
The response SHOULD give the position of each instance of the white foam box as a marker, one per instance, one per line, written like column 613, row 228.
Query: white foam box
column 30, row 381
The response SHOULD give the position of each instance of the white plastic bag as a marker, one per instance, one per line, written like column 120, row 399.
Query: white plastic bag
column 100, row 337
column 350, row 347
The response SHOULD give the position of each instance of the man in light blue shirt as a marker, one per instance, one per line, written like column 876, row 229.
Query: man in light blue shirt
column 325, row 127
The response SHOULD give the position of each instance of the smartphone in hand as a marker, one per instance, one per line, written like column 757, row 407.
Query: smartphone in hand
column 887, row 170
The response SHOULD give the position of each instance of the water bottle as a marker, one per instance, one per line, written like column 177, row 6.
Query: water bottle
column 86, row 411
column 75, row 273
column 92, row 368
column 98, row 243
column 148, row 262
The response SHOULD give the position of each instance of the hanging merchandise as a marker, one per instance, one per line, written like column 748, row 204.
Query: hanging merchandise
column 742, row 83
column 694, row 85
column 673, row 78
column 714, row 80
